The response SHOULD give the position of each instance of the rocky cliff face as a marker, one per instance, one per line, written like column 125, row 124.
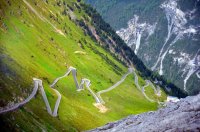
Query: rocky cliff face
column 164, row 34
column 180, row 116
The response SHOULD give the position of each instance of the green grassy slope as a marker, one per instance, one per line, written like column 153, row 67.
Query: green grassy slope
column 31, row 46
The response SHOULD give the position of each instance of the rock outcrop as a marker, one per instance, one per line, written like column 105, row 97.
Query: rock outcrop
column 180, row 116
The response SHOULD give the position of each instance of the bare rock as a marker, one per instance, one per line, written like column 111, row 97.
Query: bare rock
column 180, row 116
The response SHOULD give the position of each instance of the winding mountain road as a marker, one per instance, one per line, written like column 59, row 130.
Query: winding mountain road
column 38, row 84
column 143, row 92
column 130, row 70
column 97, row 97
column 79, row 87
column 157, row 90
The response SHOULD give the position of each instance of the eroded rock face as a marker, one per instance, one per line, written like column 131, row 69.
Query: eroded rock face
column 164, row 34
column 180, row 116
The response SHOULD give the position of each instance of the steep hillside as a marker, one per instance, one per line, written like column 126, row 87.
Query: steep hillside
column 176, row 117
column 39, row 42
column 164, row 34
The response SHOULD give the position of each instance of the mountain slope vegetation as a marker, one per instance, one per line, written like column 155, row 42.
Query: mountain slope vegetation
column 42, row 39
column 164, row 34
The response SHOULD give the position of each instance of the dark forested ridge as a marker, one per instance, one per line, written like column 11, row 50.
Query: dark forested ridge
column 165, row 37
column 121, row 50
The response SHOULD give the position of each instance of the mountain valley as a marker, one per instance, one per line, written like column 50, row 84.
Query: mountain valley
column 164, row 34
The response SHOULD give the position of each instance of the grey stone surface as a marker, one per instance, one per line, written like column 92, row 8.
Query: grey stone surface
column 175, row 117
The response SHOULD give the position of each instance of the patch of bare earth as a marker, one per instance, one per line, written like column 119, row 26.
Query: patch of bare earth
column 101, row 107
